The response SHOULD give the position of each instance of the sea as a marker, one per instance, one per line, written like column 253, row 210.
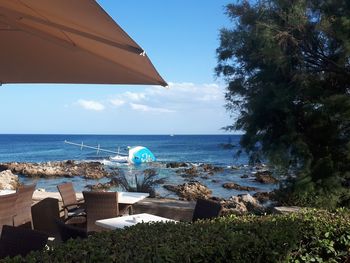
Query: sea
column 217, row 150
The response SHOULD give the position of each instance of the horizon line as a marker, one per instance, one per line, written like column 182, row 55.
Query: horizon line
column 120, row 134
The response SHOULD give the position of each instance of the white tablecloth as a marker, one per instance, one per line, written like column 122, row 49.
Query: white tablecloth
column 124, row 221
column 131, row 197
column 7, row 192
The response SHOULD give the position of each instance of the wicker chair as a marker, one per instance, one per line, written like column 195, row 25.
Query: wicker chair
column 206, row 209
column 20, row 241
column 44, row 214
column 7, row 209
column 68, row 231
column 71, row 206
column 24, row 201
column 100, row 205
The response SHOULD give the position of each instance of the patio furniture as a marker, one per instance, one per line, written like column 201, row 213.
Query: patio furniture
column 68, row 231
column 7, row 191
column 100, row 205
column 20, row 241
column 127, row 199
column 131, row 198
column 126, row 221
column 24, row 201
column 206, row 209
column 71, row 205
column 7, row 209
column 44, row 214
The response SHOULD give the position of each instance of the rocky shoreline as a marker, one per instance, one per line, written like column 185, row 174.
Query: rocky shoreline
column 190, row 190
column 90, row 170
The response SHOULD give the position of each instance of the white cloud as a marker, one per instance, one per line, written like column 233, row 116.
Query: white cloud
column 117, row 102
column 146, row 108
column 188, row 95
column 178, row 97
column 182, row 108
column 133, row 96
column 211, row 92
column 91, row 105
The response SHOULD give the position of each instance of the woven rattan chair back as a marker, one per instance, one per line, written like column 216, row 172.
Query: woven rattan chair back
column 67, row 193
column 44, row 214
column 68, row 231
column 23, row 206
column 72, row 207
column 206, row 209
column 7, row 209
column 100, row 205
column 20, row 241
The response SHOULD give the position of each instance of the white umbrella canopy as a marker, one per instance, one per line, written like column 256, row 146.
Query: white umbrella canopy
column 68, row 41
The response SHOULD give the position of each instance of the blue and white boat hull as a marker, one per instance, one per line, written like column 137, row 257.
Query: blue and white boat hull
column 140, row 154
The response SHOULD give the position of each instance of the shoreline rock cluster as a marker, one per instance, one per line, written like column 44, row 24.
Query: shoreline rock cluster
column 193, row 189
column 265, row 177
column 190, row 190
column 90, row 170
column 242, row 204
column 8, row 180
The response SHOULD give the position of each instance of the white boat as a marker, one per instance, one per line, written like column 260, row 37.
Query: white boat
column 119, row 159
column 140, row 154
column 136, row 155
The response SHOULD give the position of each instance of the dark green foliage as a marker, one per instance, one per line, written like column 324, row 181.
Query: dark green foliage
column 325, row 238
column 287, row 65
column 313, row 236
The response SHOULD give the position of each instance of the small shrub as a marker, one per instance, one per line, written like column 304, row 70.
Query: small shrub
column 144, row 183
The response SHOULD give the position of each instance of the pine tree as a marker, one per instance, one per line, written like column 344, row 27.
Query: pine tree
column 287, row 66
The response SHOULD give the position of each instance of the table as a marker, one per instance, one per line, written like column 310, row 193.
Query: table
column 131, row 197
column 125, row 221
column 7, row 192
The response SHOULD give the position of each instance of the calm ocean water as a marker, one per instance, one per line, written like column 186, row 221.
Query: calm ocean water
column 194, row 149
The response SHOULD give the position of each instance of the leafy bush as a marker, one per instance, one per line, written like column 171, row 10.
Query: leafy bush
column 311, row 236
column 325, row 236
column 142, row 183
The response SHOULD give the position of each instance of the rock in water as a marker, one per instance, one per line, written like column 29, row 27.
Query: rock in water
column 252, row 204
column 190, row 191
column 263, row 196
column 176, row 165
column 238, row 187
column 8, row 180
column 233, row 206
column 242, row 204
column 190, row 172
column 211, row 169
column 265, row 177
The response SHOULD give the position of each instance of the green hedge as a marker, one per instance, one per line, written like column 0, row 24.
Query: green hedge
column 310, row 236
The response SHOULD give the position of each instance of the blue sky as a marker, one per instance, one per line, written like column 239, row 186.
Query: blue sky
column 180, row 38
